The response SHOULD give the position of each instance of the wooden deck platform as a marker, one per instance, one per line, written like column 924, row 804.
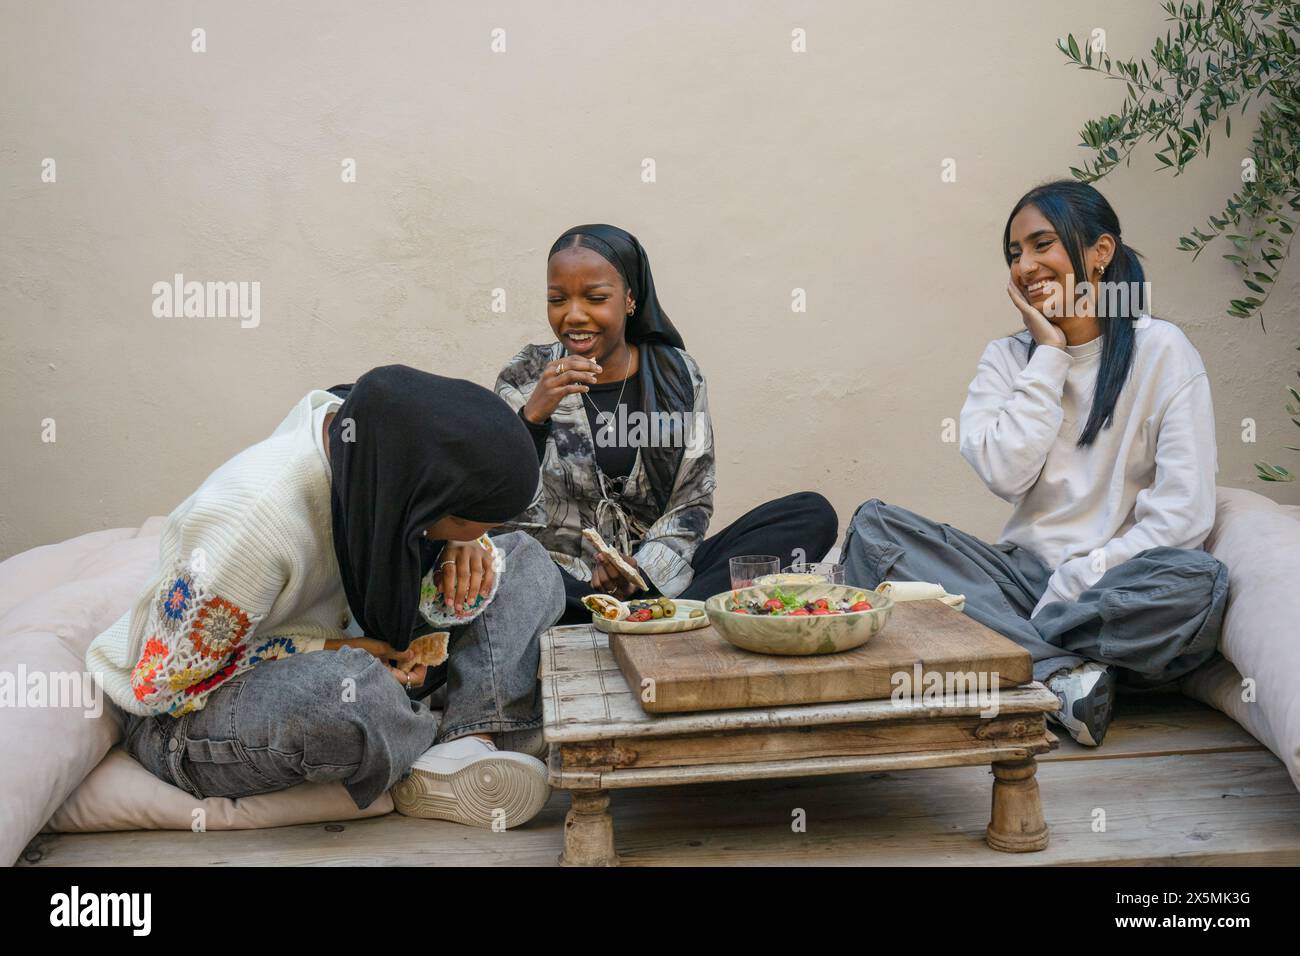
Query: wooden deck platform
column 1178, row 782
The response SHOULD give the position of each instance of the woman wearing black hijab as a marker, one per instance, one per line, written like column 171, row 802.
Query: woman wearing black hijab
column 619, row 413
column 273, row 647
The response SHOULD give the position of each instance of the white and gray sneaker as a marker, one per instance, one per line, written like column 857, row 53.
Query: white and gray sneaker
column 531, row 742
column 469, row 781
column 1087, row 696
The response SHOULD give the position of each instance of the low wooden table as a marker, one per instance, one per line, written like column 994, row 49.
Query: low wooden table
column 602, row 740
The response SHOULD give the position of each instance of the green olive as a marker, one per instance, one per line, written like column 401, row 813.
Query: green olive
column 656, row 612
column 669, row 607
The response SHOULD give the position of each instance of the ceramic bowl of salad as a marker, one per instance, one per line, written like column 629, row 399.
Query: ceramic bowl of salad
column 799, row 619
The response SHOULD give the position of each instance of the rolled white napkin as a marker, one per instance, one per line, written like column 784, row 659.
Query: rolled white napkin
column 921, row 591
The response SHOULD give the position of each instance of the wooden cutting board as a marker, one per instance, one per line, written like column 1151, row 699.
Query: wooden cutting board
column 698, row 670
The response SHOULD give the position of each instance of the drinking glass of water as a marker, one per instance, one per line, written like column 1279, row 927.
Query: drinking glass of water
column 748, row 567
column 827, row 571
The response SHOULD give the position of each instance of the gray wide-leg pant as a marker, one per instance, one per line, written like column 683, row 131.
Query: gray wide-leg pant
column 340, row 715
column 1156, row 617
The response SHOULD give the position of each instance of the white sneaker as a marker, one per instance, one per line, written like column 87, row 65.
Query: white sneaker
column 531, row 742
column 1087, row 696
column 469, row 781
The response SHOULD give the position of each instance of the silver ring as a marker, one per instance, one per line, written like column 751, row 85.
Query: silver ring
column 444, row 564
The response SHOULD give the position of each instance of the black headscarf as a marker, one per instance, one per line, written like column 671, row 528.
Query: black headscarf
column 665, row 381
column 407, row 448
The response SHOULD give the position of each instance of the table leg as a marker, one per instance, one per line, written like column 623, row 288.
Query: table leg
column 1017, row 824
column 589, row 830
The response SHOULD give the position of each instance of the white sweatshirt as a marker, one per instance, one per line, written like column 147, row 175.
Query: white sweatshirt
column 1146, row 481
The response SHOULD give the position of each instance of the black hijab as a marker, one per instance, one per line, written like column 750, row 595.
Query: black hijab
column 407, row 448
column 665, row 381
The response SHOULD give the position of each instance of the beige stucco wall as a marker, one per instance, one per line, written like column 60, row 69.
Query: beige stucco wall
column 775, row 170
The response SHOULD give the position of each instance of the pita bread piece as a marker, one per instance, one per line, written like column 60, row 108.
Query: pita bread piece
column 629, row 572
column 430, row 649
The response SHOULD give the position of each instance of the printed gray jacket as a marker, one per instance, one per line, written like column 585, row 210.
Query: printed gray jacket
column 573, row 494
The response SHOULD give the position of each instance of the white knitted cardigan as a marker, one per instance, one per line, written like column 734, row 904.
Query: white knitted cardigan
column 246, row 573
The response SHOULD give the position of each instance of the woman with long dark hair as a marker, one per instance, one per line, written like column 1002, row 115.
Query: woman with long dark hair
column 1095, row 422
column 619, row 413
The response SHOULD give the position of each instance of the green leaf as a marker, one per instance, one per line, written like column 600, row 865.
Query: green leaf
column 1074, row 48
column 1267, row 472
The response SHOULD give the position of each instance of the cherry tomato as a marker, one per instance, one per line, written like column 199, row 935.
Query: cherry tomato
column 822, row 610
column 740, row 610
column 772, row 604
column 861, row 606
column 821, row 603
column 641, row 615
column 798, row 612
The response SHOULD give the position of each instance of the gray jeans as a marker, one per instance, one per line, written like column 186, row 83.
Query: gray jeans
column 1156, row 617
column 340, row 715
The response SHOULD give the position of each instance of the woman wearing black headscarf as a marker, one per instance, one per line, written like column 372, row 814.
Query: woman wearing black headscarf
column 403, row 468
column 619, row 413
column 275, row 645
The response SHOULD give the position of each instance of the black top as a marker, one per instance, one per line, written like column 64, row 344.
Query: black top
column 614, row 459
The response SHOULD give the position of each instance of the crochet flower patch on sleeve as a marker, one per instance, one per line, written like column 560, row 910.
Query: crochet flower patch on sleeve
column 273, row 649
column 195, row 641
column 433, row 603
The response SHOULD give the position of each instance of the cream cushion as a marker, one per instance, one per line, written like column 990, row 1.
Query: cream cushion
column 1259, row 541
column 59, row 768
column 120, row 794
